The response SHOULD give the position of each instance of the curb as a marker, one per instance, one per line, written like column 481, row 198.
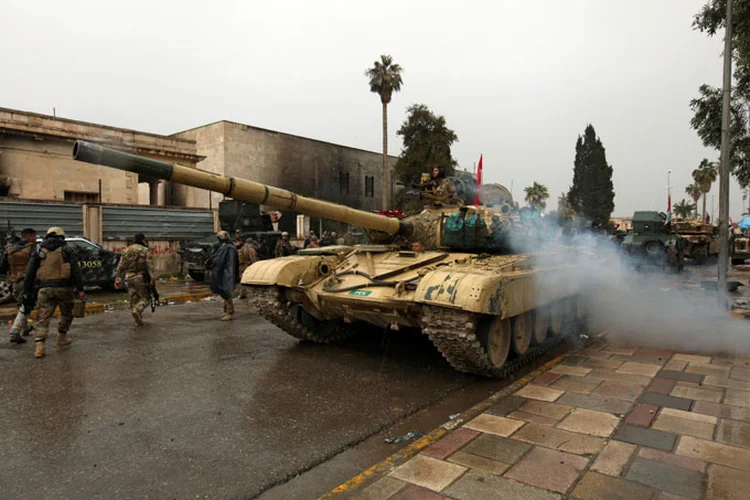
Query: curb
column 412, row 449
column 96, row 307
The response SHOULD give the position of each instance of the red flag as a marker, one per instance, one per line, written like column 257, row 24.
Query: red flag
column 669, row 203
column 479, row 181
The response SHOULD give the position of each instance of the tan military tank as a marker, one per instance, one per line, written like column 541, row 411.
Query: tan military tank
column 702, row 239
column 486, row 309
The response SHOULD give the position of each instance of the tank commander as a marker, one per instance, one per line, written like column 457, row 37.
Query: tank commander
column 283, row 246
column 417, row 246
column 442, row 189
column 224, row 265
column 137, row 271
column 52, row 267
column 14, row 261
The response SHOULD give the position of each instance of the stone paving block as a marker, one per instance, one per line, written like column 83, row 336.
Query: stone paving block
column 412, row 492
column 671, row 459
column 703, row 369
column 428, row 472
column 726, row 382
column 450, row 443
column 695, row 358
column 540, row 393
column 506, row 405
column 497, row 448
column 638, row 359
column 574, row 384
column 551, row 410
column 478, row 463
column 380, row 489
column 727, row 484
column 675, row 365
column 635, row 368
column 645, row 437
column 735, row 397
column 622, row 378
column 627, row 351
column 675, row 375
column 689, row 415
column 642, row 415
column 668, row 401
column 654, row 353
column 597, row 403
column 740, row 374
column 717, row 453
column 666, row 477
column 734, row 433
column 669, row 496
column 595, row 423
column 594, row 486
column 723, row 411
column 530, row 417
column 613, row 458
column 696, row 394
column 559, row 439
column 627, row 392
column 574, row 360
column 546, row 379
column 661, row 386
column 560, row 469
column 575, row 371
column 476, row 485
column 695, row 385
column 606, row 363
column 494, row 424
column 684, row 427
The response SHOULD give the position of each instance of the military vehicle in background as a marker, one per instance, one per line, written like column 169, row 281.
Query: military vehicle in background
column 653, row 242
column 739, row 242
column 453, row 272
column 701, row 239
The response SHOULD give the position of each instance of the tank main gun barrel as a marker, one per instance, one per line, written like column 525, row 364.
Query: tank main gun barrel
column 239, row 189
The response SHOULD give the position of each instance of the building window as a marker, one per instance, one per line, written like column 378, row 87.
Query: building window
column 344, row 182
column 369, row 186
column 80, row 197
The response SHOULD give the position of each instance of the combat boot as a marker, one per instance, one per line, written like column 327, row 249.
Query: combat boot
column 63, row 340
column 17, row 339
column 138, row 318
column 39, row 351
column 226, row 317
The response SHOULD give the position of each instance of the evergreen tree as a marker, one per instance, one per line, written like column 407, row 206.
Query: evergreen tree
column 592, row 193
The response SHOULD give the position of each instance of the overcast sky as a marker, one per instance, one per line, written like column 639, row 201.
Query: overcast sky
column 517, row 80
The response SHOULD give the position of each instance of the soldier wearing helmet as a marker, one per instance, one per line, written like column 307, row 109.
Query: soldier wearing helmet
column 225, row 275
column 136, row 270
column 283, row 246
column 14, row 261
column 54, row 271
column 443, row 188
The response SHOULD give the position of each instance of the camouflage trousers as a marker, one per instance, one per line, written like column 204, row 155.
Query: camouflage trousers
column 47, row 300
column 17, row 289
column 229, row 306
column 138, row 293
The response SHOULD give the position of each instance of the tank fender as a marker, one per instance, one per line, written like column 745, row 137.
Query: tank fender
column 292, row 271
column 505, row 295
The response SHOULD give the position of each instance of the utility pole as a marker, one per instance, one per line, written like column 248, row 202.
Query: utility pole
column 724, row 166
column 713, row 213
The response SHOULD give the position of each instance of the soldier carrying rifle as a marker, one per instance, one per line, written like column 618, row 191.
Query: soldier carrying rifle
column 136, row 269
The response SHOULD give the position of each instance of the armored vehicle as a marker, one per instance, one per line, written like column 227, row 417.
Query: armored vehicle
column 449, row 271
column 653, row 242
column 739, row 242
column 701, row 239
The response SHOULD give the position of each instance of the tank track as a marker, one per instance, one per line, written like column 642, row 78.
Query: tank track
column 268, row 302
column 452, row 332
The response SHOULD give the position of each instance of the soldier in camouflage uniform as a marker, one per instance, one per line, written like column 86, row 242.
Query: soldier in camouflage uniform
column 14, row 262
column 247, row 255
column 443, row 188
column 53, row 269
column 136, row 269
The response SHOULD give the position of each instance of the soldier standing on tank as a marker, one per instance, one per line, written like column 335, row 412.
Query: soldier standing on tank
column 53, row 269
column 224, row 265
column 283, row 246
column 246, row 255
column 14, row 262
column 136, row 269
column 443, row 188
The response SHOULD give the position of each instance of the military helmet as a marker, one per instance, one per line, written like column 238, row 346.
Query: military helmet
column 222, row 235
column 284, row 234
column 55, row 230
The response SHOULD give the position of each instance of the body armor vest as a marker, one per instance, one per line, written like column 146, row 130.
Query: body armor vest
column 52, row 266
column 18, row 258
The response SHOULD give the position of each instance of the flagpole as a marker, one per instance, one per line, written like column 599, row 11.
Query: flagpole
column 669, row 192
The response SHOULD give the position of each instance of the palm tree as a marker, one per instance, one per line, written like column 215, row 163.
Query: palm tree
column 695, row 192
column 385, row 79
column 536, row 195
column 683, row 209
column 704, row 176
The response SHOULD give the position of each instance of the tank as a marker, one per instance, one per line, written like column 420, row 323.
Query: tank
column 449, row 271
column 653, row 243
column 701, row 239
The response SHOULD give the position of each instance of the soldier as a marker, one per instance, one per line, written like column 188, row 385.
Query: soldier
column 136, row 269
column 54, row 270
column 224, row 265
column 443, row 188
column 14, row 262
column 314, row 243
column 417, row 246
column 283, row 247
column 246, row 255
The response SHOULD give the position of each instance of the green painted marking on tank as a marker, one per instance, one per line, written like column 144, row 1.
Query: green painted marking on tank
column 360, row 293
column 430, row 290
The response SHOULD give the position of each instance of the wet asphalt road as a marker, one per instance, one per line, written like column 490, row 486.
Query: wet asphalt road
column 190, row 407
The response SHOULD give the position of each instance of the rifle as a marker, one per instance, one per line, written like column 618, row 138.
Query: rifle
column 153, row 293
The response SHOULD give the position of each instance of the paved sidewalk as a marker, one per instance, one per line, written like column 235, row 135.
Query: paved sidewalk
column 608, row 422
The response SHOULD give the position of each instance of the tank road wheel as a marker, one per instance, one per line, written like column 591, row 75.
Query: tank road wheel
column 541, row 325
column 521, row 327
column 556, row 318
column 494, row 335
column 570, row 315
